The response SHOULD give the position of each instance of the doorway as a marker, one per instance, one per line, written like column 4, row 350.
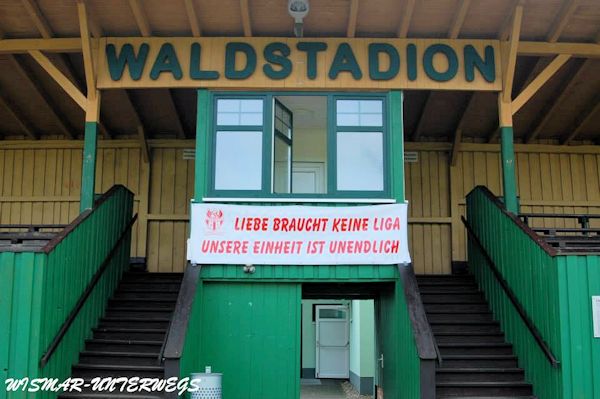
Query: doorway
column 332, row 341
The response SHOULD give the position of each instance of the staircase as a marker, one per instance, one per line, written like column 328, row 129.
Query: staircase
column 129, row 338
column 477, row 362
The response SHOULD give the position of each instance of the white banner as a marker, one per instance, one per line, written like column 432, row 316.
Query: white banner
column 298, row 235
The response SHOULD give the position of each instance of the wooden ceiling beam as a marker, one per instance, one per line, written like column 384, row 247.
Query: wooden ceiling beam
column 245, row 10
column 561, row 20
column 544, row 76
column 459, row 19
column 581, row 50
column 406, row 18
column 552, row 107
column 136, row 116
column 143, row 143
column 86, row 46
column 506, row 26
column 353, row 17
column 144, row 28
column 140, row 18
column 36, row 15
column 18, row 117
column 192, row 18
column 26, row 72
column 179, row 129
column 460, row 128
column 586, row 115
column 511, row 58
column 419, row 128
column 559, row 24
column 60, row 78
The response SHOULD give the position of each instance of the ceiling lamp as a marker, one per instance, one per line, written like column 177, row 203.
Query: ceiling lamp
column 298, row 9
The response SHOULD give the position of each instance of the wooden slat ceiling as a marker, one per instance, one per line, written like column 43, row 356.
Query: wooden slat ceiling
column 34, row 105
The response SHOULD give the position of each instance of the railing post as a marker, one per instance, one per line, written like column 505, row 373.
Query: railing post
column 90, row 145
column 507, row 151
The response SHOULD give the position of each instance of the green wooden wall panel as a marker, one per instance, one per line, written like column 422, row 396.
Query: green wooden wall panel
column 555, row 291
column 401, row 372
column 251, row 333
column 38, row 290
column 307, row 273
column 580, row 280
column 532, row 275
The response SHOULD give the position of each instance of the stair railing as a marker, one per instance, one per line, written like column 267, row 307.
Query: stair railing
column 426, row 344
column 512, row 297
column 86, row 293
column 174, row 341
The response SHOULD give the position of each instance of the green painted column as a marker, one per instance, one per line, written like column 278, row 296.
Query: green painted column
column 396, row 152
column 507, row 153
column 88, row 173
column 202, row 134
column 508, row 169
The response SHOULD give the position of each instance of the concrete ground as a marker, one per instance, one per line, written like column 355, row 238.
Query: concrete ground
column 329, row 389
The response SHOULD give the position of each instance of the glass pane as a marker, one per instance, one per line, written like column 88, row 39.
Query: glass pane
column 347, row 106
column 238, row 161
column 252, row 106
column 228, row 118
column 235, row 112
column 251, row 119
column 360, row 113
column 360, row 161
column 332, row 314
column 371, row 120
column 281, row 169
column 228, row 106
column 370, row 106
column 347, row 120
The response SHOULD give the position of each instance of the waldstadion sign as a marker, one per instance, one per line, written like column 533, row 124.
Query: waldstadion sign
column 290, row 63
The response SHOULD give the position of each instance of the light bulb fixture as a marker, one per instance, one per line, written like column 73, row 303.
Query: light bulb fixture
column 298, row 9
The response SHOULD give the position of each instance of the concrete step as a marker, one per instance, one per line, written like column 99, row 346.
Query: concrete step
column 119, row 358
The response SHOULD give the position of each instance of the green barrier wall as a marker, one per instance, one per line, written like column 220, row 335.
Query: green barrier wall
column 38, row 290
column 555, row 291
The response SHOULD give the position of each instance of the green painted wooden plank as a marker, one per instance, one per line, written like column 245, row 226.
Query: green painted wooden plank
column 202, row 134
column 305, row 273
column 509, row 183
column 88, row 172
column 395, row 112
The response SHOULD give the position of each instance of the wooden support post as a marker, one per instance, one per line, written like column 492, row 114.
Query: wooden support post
column 202, row 133
column 507, row 154
column 510, row 58
column 90, row 146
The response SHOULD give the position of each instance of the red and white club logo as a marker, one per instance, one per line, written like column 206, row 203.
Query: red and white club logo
column 214, row 219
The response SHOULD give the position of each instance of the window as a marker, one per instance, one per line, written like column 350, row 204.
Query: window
column 238, row 144
column 359, row 144
column 313, row 144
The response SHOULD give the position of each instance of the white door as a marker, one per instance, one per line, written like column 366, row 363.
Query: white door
column 333, row 341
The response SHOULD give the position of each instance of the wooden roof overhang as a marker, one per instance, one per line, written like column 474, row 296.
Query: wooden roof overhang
column 550, row 54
